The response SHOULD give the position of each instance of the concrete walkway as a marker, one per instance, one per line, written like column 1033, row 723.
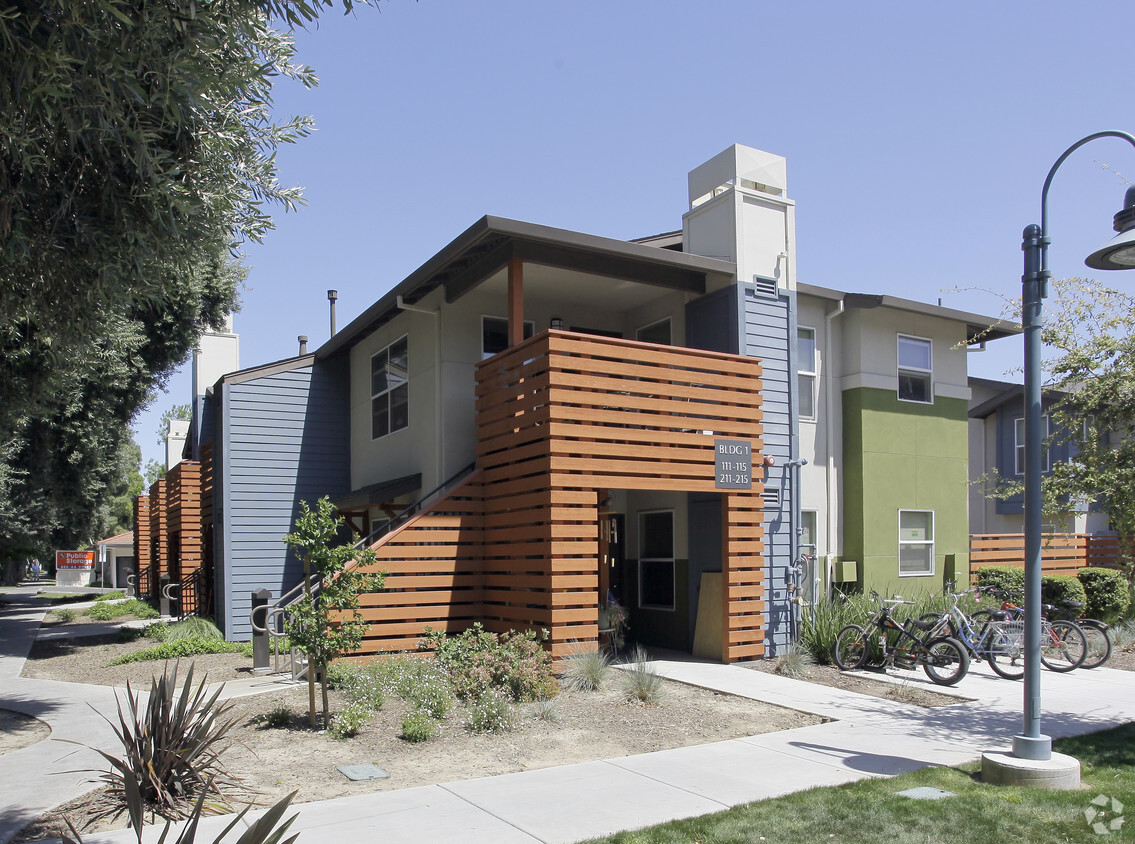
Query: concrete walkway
column 870, row 737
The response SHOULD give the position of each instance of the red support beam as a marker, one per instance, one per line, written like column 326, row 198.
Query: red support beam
column 515, row 302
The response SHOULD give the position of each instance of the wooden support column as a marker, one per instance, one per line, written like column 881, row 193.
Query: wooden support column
column 515, row 302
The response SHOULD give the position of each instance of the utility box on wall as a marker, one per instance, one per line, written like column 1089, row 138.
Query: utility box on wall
column 845, row 571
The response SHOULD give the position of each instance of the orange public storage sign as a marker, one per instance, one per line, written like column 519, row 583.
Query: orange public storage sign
column 74, row 559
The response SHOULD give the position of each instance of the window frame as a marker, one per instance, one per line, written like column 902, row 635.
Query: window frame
column 919, row 542
column 658, row 560
column 387, row 393
column 529, row 331
column 1019, row 444
column 809, row 374
column 916, row 371
column 670, row 325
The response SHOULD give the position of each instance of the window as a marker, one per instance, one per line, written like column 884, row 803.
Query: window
column 1019, row 444
column 806, row 371
column 656, row 560
column 916, row 542
column 656, row 332
column 389, row 389
column 915, row 369
column 494, row 335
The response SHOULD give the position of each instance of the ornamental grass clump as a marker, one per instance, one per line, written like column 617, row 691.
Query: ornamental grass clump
column 640, row 681
column 111, row 610
column 490, row 712
column 794, row 662
column 585, row 671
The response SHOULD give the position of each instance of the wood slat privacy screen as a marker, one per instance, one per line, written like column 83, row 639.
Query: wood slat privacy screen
column 1061, row 553
column 183, row 519
column 561, row 419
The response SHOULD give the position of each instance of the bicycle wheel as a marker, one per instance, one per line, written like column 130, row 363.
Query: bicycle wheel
column 851, row 648
column 1099, row 643
column 1062, row 646
column 946, row 661
column 1004, row 649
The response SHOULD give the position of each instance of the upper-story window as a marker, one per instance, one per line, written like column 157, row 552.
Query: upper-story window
column 389, row 389
column 916, row 369
column 806, row 371
column 1019, row 444
column 656, row 332
column 494, row 335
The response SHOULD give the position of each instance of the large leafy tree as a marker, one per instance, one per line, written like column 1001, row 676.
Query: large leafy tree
column 137, row 151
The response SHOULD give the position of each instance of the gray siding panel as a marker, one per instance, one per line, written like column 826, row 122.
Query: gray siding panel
column 770, row 329
column 285, row 439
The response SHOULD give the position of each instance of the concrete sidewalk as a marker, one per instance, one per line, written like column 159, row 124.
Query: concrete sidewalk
column 871, row 737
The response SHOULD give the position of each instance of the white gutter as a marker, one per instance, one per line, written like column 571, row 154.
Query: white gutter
column 829, row 436
column 439, row 413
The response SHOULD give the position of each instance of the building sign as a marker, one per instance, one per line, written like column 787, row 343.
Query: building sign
column 733, row 464
column 74, row 560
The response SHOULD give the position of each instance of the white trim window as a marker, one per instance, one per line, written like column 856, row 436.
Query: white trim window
column 656, row 332
column 390, row 389
column 1019, row 444
column 494, row 334
column 656, row 579
column 916, row 369
column 806, row 372
column 916, row 542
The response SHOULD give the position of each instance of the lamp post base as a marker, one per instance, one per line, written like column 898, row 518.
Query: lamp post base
column 1038, row 748
column 1058, row 773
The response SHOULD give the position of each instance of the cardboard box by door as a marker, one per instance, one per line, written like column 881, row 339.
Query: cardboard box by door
column 707, row 629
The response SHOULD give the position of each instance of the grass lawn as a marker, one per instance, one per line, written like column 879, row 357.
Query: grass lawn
column 870, row 811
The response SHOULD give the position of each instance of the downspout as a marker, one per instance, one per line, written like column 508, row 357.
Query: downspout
column 829, row 475
column 439, row 408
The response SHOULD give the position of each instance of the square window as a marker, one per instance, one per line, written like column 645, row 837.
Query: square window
column 916, row 542
column 494, row 335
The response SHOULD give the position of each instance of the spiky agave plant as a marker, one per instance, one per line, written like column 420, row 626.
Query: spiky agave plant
column 171, row 748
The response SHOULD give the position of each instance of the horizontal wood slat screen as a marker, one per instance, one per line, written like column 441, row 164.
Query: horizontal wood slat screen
column 561, row 418
column 159, row 530
column 142, row 545
column 1061, row 553
column 183, row 519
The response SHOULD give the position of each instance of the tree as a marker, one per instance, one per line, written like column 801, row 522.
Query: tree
column 328, row 623
column 137, row 151
column 1092, row 328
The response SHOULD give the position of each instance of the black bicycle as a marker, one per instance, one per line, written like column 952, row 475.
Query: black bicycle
column 890, row 644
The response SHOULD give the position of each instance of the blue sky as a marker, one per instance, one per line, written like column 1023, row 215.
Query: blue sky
column 917, row 134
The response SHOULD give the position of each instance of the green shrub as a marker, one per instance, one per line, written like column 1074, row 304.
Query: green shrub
column 477, row 659
column 109, row 611
column 418, row 726
column 64, row 616
column 342, row 673
column 640, row 681
column 586, row 671
column 278, row 717
column 491, row 712
column 111, row 596
column 1007, row 578
column 177, row 649
column 1108, row 595
column 420, row 682
column 1057, row 589
column 349, row 721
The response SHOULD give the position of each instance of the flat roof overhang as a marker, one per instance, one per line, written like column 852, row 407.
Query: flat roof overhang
column 486, row 247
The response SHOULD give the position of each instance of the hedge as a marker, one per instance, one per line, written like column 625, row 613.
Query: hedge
column 1054, row 589
column 1108, row 597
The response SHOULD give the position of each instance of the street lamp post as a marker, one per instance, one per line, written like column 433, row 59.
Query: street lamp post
column 1118, row 254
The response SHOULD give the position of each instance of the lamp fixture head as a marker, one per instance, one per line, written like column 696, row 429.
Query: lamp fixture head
column 1119, row 252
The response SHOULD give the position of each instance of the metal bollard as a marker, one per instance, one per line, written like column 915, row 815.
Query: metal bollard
column 261, row 644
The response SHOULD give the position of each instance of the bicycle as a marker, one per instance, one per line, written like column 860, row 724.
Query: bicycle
column 1095, row 632
column 998, row 640
column 1063, row 645
column 943, row 658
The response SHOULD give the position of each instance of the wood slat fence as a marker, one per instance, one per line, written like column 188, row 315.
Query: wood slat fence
column 1061, row 553
column 561, row 419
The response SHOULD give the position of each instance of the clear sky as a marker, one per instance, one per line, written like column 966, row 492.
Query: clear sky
column 918, row 136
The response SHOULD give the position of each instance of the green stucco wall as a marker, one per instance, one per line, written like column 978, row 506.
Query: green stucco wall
column 903, row 455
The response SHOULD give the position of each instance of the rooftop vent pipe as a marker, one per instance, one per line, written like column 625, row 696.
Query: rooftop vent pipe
column 303, row 344
column 332, row 295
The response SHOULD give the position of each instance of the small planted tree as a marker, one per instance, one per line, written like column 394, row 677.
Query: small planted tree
column 328, row 623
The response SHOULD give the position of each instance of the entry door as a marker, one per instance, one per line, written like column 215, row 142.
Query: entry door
column 612, row 560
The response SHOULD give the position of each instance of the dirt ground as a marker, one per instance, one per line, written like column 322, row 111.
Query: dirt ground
column 273, row 761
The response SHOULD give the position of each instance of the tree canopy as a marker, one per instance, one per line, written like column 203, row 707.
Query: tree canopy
column 137, row 152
